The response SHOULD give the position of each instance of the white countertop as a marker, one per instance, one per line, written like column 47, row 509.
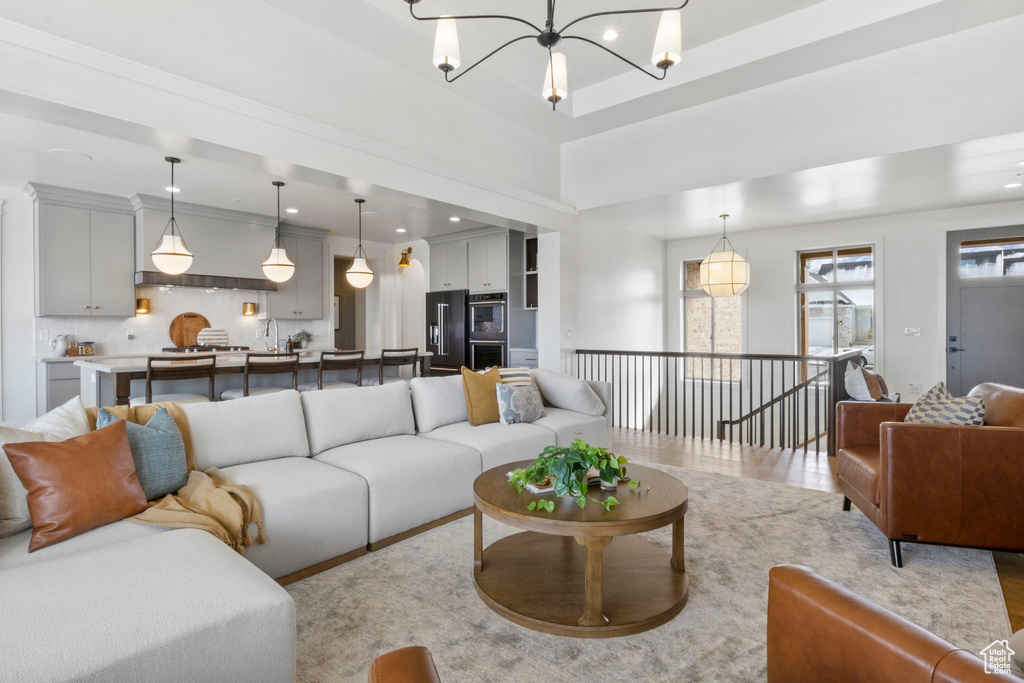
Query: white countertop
column 225, row 359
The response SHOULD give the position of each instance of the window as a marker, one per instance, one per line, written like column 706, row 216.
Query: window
column 836, row 296
column 992, row 258
column 710, row 325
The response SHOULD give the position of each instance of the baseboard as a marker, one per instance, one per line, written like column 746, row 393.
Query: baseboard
column 320, row 567
column 391, row 540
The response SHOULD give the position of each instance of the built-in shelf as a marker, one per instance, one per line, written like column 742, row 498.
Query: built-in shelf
column 530, row 283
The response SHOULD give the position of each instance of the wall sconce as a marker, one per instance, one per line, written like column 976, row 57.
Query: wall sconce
column 142, row 306
column 405, row 258
column 249, row 308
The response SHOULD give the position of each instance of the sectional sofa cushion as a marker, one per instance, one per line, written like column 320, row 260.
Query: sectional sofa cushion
column 14, row 550
column 312, row 512
column 77, row 485
column 158, row 451
column 569, row 426
column 497, row 444
column 336, row 418
column 249, row 429
column 568, row 393
column 413, row 480
column 438, row 401
column 175, row 606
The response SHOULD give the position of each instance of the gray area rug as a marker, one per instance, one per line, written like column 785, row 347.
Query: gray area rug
column 420, row 592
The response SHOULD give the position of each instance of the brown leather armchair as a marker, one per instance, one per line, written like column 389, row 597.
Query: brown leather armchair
column 936, row 484
column 819, row 632
column 408, row 665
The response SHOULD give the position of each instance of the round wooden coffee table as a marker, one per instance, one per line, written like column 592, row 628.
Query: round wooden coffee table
column 582, row 572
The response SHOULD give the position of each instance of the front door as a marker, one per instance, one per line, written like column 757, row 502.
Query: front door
column 984, row 308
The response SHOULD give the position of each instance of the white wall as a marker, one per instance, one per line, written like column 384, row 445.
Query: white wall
column 413, row 283
column 619, row 289
column 910, row 282
column 17, row 275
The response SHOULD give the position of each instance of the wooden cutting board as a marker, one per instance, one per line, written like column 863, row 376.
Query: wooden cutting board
column 185, row 327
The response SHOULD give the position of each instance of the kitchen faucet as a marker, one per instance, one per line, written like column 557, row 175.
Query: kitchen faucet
column 277, row 333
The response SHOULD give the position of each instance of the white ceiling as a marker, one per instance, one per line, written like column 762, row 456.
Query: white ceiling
column 963, row 174
column 121, row 168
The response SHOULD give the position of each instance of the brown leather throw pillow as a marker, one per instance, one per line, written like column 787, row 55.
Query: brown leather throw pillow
column 481, row 395
column 77, row 485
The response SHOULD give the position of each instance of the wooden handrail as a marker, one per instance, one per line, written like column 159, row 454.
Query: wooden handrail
column 781, row 397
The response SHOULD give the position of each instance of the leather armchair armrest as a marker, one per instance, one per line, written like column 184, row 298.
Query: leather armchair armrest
column 857, row 422
column 408, row 665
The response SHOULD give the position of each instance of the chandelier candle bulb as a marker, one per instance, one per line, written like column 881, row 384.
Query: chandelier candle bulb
column 556, row 79
column 446, row 45
column 668, row 44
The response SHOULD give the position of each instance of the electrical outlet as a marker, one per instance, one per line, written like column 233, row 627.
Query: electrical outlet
column 568, row 333
column 915, row 388
column 130, row 335
column 912, row 331
column 44, row 335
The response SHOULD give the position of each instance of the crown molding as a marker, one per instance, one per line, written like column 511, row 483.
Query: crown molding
column 66, row 196
column 147, row 201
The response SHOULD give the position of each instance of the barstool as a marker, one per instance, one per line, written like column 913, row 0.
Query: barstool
column 337, row 360
column 163, row 369
column 265, row 364
column 396, row 358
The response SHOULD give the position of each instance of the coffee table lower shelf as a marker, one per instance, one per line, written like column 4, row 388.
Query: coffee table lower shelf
column 537, row 581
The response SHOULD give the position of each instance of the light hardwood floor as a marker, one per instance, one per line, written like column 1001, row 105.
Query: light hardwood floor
column 794, row 467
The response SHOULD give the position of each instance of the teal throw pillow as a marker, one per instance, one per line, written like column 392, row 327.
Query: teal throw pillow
column 158, row 451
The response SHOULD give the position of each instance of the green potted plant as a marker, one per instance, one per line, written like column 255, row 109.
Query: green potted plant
column 302, row 336
column 567, row 469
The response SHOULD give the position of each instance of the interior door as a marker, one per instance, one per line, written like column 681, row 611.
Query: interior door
column 985, row 302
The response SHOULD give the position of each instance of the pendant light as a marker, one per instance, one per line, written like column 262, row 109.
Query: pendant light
column 724, row 272
column 278, row 267
column 171, row 256
column 360, row 275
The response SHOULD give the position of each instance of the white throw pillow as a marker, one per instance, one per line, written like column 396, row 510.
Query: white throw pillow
column 14, row 517
column 64, row 422
column 438, row 401
column 568, row 393
column 336, row 418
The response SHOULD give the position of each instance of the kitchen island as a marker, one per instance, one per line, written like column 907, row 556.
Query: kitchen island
column 97, row 373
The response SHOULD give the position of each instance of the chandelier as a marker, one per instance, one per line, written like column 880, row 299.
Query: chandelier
column 724, row 272
column 668, row 44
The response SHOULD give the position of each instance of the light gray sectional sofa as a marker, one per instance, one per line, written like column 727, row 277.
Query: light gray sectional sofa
column 338, row 472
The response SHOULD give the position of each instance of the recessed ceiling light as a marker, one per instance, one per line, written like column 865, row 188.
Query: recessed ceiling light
column 455, row 219
column 1019, row 163
column 172, row 189
column 610, row 35
column 69, row 154
column 1012, row 185
column 399, row 229
column 291, row 210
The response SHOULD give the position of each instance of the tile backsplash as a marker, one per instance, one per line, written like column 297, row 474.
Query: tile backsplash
column 222, row 307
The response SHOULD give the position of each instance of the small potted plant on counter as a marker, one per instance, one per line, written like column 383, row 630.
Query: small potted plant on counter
column 302, row 337
column 568, row 471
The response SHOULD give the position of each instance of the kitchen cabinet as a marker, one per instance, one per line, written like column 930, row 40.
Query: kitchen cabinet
column 448, row 266
column 85, row 261
column 57, row 383
column 488, row 264
column 301, row 297
column 522, row 358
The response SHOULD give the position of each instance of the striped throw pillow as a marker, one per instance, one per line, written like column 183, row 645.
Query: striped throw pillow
column 938, row 407
column 515, row 376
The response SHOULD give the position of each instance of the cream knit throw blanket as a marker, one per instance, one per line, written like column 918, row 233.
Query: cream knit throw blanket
column 211, row 502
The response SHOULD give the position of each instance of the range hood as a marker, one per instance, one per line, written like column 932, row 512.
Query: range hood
column 158, row 279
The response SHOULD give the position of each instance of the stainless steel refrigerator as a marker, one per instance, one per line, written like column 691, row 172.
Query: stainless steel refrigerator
column 447, row 330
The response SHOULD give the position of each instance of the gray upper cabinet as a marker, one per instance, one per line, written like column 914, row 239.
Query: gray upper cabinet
column 488, row 263
column 301, row 297
column 84, row 255
column 448, row 266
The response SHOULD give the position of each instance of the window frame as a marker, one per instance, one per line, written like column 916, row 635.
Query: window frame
column 835, row 287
